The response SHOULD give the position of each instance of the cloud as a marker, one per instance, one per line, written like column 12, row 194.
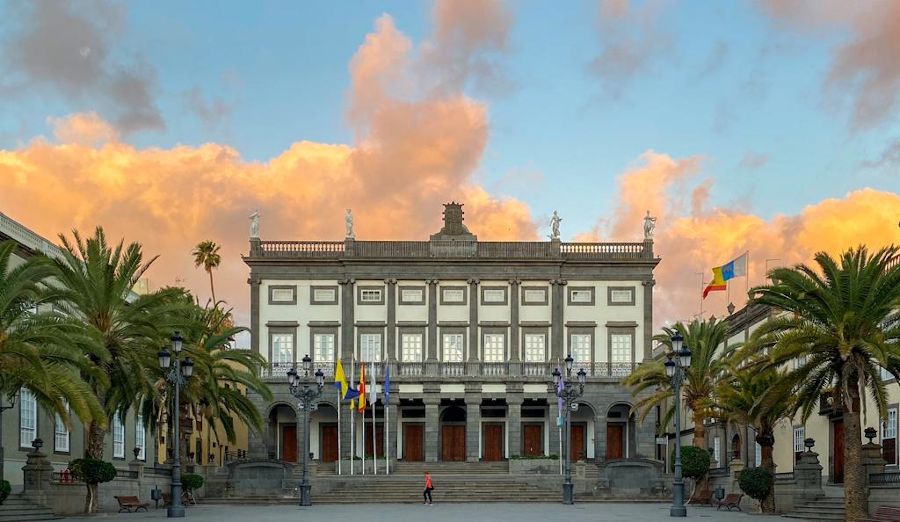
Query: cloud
column 411, row 154
column 83, row 129
column 864, row 68
column 717, row 56
column 211, row 112
column 631, row 41
column 753, row 160
column 68, row 47
column 696, row 237
column 889, row 157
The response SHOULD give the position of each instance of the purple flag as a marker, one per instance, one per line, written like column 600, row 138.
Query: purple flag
column 560, row 404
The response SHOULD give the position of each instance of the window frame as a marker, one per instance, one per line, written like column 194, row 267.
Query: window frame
column 504, row 289
column 282, row 330
column 533, row 333
column 590, row 334
column 572, row 289
column 418, row 332
column 369, row 288
column 312, row 295
column 402, row 301
column 461, row 332
column 370, row 331
column 494, row 332
column 323, row 330
column 36, row 418
column 544, row 300
column 798, row 445
column 465, row 295
column 890, row 428
column 611, row 289
column 139, row 428
column 117, row 422
column 57, row 422
column 292, row 301
column 620, row 330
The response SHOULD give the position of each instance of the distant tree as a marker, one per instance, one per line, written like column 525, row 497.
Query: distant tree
column 206, row 254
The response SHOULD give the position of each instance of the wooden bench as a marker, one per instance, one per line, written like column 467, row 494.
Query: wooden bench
column 702, row 497
column 885, row 514
column 731, row 500
column 131, row 504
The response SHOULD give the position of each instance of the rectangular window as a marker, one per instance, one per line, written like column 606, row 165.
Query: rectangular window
column 757, row 457
column 494, row 349
column 620, row 346
column 282, row 348
column 412, row 295
column 889, row 437
column 370, row 295
column 411, row 347
column 534, row 296
column 535, row 348
column 580, row 348
column 452, row 347
column 324, row 295
column 799, row 436
column 61, row 434
column 118, row 437
column 495, row 296
column 621, row 296
column 717, row 451
column 140, row 437
column 886, row 375
column 453, row 296
column 370, row 347
column 27, row 418
column 323, row 348
column 282, row 295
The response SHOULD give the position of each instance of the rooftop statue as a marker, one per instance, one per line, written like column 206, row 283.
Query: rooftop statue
column 649, row 226
column 254, row 224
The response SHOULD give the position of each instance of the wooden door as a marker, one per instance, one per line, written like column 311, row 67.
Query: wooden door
column 837, row 449
column 289, row 443
column 615, row 441
column 453, row 443
column 493, row 442
column 532, row 439
column 414, row 442
column 577, row 451
column 379, row 438
column 328, row 450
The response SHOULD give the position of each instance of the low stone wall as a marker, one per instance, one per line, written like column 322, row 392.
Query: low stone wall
column 883, row 495
column 536, row 466
column 68, row 498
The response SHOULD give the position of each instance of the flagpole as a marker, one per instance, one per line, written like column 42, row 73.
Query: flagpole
column 374, row 411
column 747, row 278
column 339, row 429
column 352, row 422
column 387, row 440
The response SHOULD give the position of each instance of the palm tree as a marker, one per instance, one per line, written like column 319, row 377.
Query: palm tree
column 840, row 325
column 207, row 254
column 123, row 331
column 749, row 394
column 35, row 347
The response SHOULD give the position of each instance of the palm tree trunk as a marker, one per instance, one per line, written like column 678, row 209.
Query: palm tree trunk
column 699, row 441
column 855, row 497
column 766, row 440
column 212, row 288
column 94, row 447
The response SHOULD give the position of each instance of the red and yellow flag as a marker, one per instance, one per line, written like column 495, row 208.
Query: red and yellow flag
column 362, row 388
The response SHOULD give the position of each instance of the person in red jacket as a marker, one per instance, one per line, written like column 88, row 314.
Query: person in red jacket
column 426, row 495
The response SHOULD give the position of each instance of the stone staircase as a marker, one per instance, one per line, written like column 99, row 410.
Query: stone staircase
column 327, row 469
column 825, row 508
column 18, row 509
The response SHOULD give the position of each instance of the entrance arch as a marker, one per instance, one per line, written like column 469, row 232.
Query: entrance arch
column 619, row 432
column 583, row 439
column 282, row 439
column 453, row 434
column 323, row 433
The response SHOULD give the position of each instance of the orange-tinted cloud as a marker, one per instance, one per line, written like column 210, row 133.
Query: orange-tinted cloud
column 693, row 237
column 83, row 129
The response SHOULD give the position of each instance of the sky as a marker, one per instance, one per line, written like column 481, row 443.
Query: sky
column 760, row 126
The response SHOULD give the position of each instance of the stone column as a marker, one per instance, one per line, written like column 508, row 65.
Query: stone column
column 473, row 321
column 255, row 331
column 432, row 320
column 347, row 320
column 872, row 459
column 514, row 401
column 648, row 317
column 514, row 344
column 36, row 474
column 432, row 426
column 557, row 345
column 808, row 477
column 391, row 336
column 473, row 422
column 736, row 467
column 393, row 424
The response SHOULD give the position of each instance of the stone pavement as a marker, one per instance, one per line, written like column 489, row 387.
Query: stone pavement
column 469, row 512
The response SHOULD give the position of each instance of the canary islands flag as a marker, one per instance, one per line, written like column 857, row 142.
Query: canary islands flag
column 340, row 382
column 721, row 274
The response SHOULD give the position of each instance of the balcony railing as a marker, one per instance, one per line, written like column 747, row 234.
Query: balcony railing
column 884, row 478
column 532, row 371
column 452, row 249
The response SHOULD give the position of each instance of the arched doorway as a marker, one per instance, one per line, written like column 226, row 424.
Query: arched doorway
column 582, row 447
column 619, row 431
column 736, row 447
column 282, row 440
column 453, row 434
column 323, row 433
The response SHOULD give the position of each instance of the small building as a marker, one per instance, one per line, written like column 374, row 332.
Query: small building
column 470, row 332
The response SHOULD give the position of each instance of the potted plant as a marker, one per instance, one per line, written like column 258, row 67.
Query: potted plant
column 756, row 483
column 5, row 490
column 92, row 472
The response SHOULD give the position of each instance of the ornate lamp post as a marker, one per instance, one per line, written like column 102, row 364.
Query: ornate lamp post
column 3, row 407
column 676, row 366
column 177, row 376
column 569, row 392
column 307, row 394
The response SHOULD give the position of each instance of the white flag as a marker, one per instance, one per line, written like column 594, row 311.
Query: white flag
column 371, row 394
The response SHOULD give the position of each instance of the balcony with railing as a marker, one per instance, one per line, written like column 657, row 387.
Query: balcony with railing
column 459, row 371
column 453, row 249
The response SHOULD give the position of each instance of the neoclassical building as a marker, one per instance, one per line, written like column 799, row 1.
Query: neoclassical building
column 471, row 331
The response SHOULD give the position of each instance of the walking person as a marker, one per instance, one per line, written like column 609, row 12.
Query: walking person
column 429, row 486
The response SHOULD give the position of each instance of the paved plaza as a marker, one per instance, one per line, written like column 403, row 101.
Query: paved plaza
column 470, row 512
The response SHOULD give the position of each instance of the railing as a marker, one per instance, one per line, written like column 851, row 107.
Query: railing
column 403, row 370
column 23, row 235
column 64, row 477
column 127, row 473
column 884, row 478
column 785, row 476
column 452, row 249
column 718, row 472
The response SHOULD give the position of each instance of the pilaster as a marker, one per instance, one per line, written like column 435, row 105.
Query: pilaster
column 556, row 321
column 473, row 320
column 432, row 321
column 391, row 336
column 255, row 332
column 514, row 344
column 647, row 334
column 473, row 422
column 347, row 320
column 514, row 399
column 432, row 425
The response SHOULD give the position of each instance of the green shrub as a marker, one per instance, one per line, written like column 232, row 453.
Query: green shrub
column 694, row 462
column 756, row 482
column 191, row 481
column 92, row 471
column 5, row 490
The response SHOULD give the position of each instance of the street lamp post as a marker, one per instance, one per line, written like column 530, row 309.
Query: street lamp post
column 4, row 407
column 177, row 376
column 675, row 370
column 568, row 392
column 307, row 394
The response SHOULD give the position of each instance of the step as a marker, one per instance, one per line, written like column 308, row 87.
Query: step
column 814, row 516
